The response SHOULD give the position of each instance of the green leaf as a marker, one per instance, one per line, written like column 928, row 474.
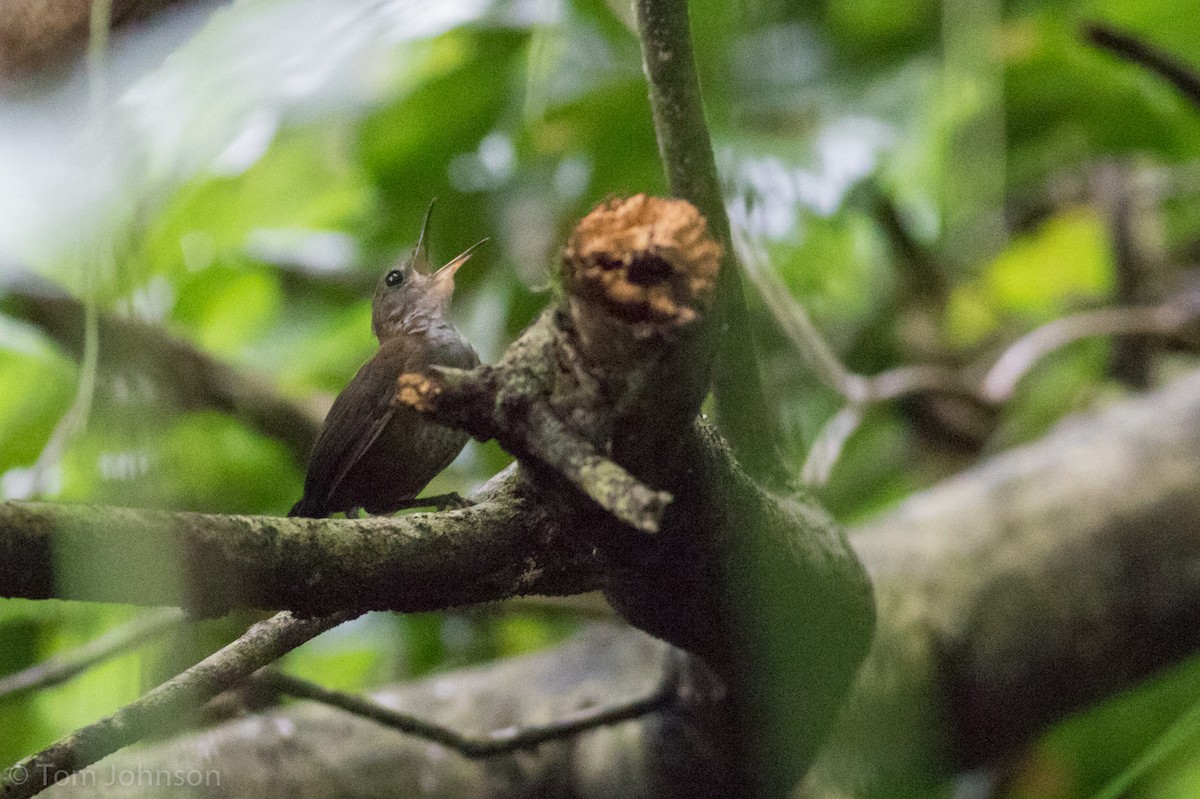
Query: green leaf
column 227, row 307
column 1067, row 102
column 38, row 389
column 1061, row 266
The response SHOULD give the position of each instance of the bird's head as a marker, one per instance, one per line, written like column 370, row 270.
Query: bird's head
column 409, row 296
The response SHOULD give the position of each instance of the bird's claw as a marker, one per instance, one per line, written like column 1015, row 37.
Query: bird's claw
column 450, row 501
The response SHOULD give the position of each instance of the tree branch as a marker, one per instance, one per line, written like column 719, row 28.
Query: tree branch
column 1122, row 201
column 459, row 397
column 998, row 384
column 1133, row 49
column 167, row 708
column 617, row 365
column 503, row 546
column 922, row 274
column 1022, row 590
column 113, row 643
column 669, row 753
column 686, row 150
column 190, row 378
column 498, row 742
column 1026, row 352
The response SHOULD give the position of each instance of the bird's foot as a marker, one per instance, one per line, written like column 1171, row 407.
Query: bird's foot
column 450, row 501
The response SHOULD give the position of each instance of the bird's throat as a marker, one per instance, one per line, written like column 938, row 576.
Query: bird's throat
column 428, row 324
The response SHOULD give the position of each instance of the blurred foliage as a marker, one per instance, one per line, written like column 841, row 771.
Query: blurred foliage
column 1063, row 266
column 254, row 184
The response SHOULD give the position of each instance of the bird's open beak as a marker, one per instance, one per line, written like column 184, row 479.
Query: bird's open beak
column 420, row 256
column 446, row 273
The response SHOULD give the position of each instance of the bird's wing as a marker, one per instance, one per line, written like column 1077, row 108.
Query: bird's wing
column 358, row 416
column 364, row 408
column 361, row 445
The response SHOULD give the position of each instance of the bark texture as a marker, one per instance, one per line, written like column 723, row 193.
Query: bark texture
column 506, row 545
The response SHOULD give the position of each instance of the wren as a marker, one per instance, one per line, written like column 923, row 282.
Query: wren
column 371, row 454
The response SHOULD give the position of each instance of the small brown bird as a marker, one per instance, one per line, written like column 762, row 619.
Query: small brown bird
column 371, row 454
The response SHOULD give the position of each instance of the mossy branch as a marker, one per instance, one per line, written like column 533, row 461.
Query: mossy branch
column 503, row 546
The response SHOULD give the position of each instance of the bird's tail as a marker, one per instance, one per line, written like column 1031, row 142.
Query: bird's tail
column 307, row 509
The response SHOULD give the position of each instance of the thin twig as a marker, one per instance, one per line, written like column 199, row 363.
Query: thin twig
column 1026, row 352
column 827, row 449
column 921, row 272
column 686, row 150
column 94, row 258
column 997, row 387
column 1119, row 198
column 115, row 642
column 905, row 381
column 464, row 398
column 1182, row 76
column 601, row 479
column 168, row 707
column 181, row 372
column 496, row 742
column 797, row 325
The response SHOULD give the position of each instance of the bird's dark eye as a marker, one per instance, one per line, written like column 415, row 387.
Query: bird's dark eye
column 394, row 277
